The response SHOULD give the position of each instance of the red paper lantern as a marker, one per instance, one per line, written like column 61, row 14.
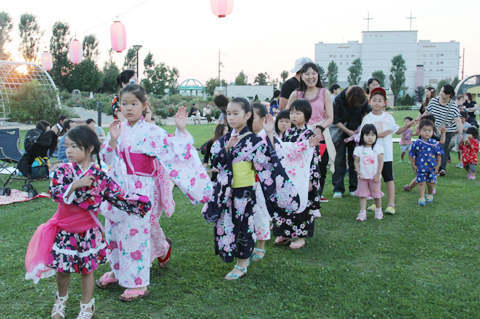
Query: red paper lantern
column 118, row 36
column 75, row 52
column 221, row 8
column 47, row 62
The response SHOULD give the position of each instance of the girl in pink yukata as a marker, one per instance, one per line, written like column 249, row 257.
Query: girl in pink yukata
column 71, row 241
column 368, row 160
column 145, row 159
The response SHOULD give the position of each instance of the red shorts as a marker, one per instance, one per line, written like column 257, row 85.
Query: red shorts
column 367, row 187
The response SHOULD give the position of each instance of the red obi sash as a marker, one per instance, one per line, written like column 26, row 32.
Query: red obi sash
column 139, row 164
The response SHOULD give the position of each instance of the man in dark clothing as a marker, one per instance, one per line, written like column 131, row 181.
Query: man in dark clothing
column 293, row 83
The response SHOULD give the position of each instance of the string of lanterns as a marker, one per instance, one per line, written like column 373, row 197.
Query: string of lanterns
column 118, row 36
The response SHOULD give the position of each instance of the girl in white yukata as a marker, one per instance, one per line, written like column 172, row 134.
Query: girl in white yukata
column 145, row 158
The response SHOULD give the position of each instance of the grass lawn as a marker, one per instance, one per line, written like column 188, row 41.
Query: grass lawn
column 420, row 263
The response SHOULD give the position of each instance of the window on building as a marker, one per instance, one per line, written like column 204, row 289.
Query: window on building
column 347, row 56
column 353, row 55
column 341, row 63
column 441, row 54
column 438, row 55
column 346, row 63
column 431, row 62
column 424, row 55
column 431, row 55
column 438, row 63
column 334, row 55
column 341, row 55
column 441, row 70
column 441, row 62
column 330, row 56
column 424, row 63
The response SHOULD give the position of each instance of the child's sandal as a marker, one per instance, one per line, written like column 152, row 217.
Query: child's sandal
column 59, row 306
column 232, row 276
column 84, row 314
column 257, row 257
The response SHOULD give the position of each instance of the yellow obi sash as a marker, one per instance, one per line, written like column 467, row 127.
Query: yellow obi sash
column 243, row 174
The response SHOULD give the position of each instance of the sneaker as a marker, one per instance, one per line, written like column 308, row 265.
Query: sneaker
column 337, row 195
column 372, row 208
column 362, row 216
column 390, row 210
column 353, row 194
column 442, row 173
column 378, row 213
column 471, row 177
column 421, row 201
column 400, row 161
column 405, row 188
column 316, row 213
column 323, row 200
column 429, row 198
column 459, row 165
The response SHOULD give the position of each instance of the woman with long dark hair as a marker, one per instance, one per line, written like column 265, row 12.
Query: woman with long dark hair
column 471, row 106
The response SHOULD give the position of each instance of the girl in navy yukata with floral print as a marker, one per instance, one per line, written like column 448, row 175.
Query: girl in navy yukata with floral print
column 71, row 241
column 238, row 155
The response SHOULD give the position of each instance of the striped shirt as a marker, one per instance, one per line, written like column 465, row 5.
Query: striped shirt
column 440, row 113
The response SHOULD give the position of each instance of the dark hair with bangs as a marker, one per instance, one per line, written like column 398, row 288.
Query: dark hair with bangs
column 474, row 131
column 261, row 109
column 303, row 106
column 429, row 117
column 124, row 77
column 449, row 90
column 424, row 123
column 304, row 69
column 355, row 96
column 245, row 104
column 218, row 132
column 370, row 81
column 85, row 138
column 367, row 128
column 136, row 90
column 283, row 114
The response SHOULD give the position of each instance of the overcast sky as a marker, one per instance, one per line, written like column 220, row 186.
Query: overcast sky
column 259, row 36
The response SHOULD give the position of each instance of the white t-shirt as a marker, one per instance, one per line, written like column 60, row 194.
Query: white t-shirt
column 383, row 122
column 368, row 159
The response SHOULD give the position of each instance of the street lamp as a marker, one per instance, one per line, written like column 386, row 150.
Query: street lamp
column 137, row 48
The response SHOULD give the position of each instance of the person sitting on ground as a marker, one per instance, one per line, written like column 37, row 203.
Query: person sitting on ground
column 194, row 114
column 207, row 112
column 97, row 129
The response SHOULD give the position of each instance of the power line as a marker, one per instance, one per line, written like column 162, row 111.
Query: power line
column 113, row 17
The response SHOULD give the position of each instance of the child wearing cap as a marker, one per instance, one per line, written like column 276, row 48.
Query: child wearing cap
column 386, row 127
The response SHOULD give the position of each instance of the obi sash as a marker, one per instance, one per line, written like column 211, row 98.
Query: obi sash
column 243, row 174
column 70, row 218
column 140, row 164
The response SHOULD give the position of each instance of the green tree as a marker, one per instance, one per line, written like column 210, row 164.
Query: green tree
column 455, row 81
column 419, row 93
column 33, row 102
column 241, row 79
column 332, row 73
column 59, row 49
column 323, row 76
column 212, row 83
column 85, row 77
column 109, row 77
column 31, row 35
column 355, row 72
column 284, row 76
column 262, row 79
column 148, row 63
column 161, row 79
column 380, row 76
column 6, row 26
column 130, row 60
column 276, row 85
column 173, row 81
column 90, row 47
column 397, row 75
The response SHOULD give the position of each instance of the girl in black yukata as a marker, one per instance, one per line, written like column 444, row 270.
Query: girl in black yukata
column 238, row 156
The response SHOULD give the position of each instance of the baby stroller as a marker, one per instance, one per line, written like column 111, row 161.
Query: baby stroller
column 33, row 164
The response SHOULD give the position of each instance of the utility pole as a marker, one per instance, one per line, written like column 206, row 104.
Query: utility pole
column 411, row 18
column 137, row 48
column 368, row 21
column 463, row 62
column 219, row 65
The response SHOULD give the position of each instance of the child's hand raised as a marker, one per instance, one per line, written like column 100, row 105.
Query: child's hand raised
column 181, row 119
column 115, row 129
column 231, row 142
column 314, row 140
column 269, row 124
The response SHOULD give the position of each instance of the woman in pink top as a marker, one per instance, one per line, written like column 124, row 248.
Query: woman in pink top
column 312, row 90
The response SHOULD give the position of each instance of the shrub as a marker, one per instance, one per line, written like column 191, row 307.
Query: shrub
column 33, row 102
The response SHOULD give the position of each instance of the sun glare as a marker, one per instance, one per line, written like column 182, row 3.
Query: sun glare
column 22, row 69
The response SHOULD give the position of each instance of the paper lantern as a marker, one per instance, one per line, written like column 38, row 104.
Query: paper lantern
column 118, row 34
column 75, row 51
column 47, row 62
column 221, row 8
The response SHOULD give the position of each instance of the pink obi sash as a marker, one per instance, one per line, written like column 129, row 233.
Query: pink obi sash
column 70, row 218
column 140, row 164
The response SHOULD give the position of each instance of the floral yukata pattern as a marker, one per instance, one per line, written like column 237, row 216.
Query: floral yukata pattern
column 136, row 242
column 231, row 209
column 301, row 224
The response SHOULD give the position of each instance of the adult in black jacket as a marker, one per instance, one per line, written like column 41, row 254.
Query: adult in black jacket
column 350, row 106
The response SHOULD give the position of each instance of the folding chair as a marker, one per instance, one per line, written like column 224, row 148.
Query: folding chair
column 9, row 152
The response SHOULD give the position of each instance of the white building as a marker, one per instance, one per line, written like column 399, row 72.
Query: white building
column 427, row 62
column 263, row 92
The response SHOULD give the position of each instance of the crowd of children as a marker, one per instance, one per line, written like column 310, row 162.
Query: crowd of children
column 267, row 172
